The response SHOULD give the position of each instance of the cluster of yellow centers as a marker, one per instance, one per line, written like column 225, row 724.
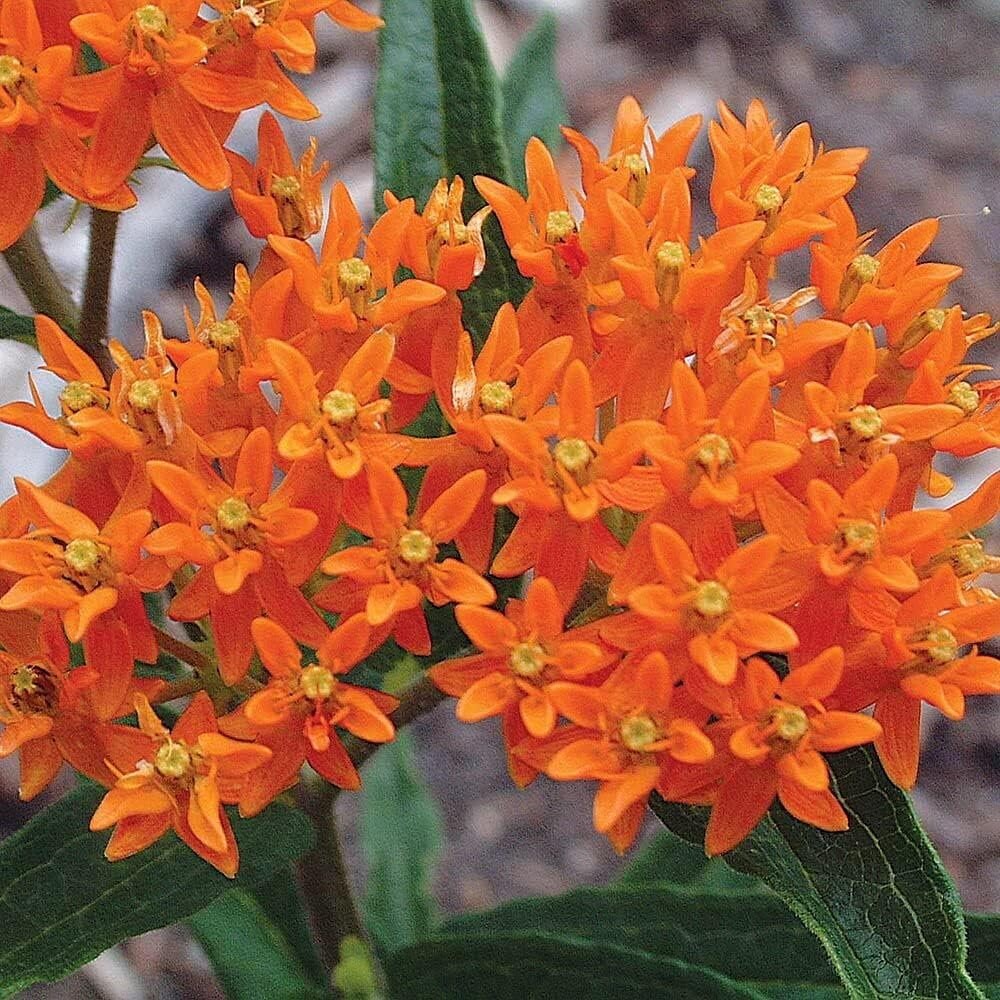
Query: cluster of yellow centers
column 669, row 262
column 713, row 453
column 856, row 538
column 144, row 395
column 573, row 454
column 339, row 407
column 638, row 732
column 711, row 601
column 768, row 199
column 783, row 727
column 527, row 659
column 233, row 515
column 416, row 548
column 33, row 690
column 935, row 647
column 559, row 226
column 11, row 73
column 77, row 396
column 84, row 557
column 862, row 270
column 496, row 397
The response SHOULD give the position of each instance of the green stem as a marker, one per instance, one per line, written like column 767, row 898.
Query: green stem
column 93, row 330
column 37, row 278
column 323, row 876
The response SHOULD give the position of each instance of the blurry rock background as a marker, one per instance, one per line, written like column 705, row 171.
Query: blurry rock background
column 914, row 80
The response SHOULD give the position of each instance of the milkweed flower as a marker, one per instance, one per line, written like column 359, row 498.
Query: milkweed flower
column 182, row 782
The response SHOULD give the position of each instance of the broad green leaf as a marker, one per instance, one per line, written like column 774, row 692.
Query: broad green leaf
column 541, row 966
column 751, row 938
column 248, row 952
column 876, row 895
column 62, row 903
column 401, row 838
column 52, row 193
column 13, row 326
column 533, row 103
column 437, row 114
column 984, row 952
column 667, row 858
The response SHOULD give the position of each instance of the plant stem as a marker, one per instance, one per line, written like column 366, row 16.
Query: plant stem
column 323, row 877
column 182, row 651
column 93, row 330
column 37, row 278
column 178, row 689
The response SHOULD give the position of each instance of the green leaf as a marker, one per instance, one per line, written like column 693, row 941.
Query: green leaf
column 537, row 966
column 876, row 895
column 984, row 952
column 437, row 114
column 533, row 102
column 281, row 902
column 52, row 193
column 401, row 838
column 751, row 938
column 667, row 858
column 16, row 327
column 62, row 903
column 248, row 952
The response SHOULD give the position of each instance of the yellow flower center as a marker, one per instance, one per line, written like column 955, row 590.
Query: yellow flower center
column 77, row 396
column 11, row 72
column 761, row 322
column 711, row 599
column 929, row 321
column 857, row 537
column 24, row 680
column 638, row 177
column 34, row 689
column 144, row 394
column 354, row 275
column 865, row 423
column 452, row 233
column 573, row 454
column 527, row 659
column 82, row 555
column 316, row 683
column 936, row 646
column 965, row 397
column 173, row 760
column 224, row 335
column 233, row 514
column 559, row 226
column 286, row 187
column 967, row 558
column 496, row 397
column 637, row 732
column 862, row 270
column 669, row 262
column 768, row 199
column 713, row 452
column 151, row 19
column 339, row 407
column 786, row 725
column 253, row 14
column 415, row 547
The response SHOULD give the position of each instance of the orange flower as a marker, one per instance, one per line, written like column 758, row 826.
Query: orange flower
column 390, row 577
column 788, row 185
column 915, row 654
column 35, row 136
column 241, row 552
column 181, row 782
column 778, row 745
column 717, row 620
column 295, row 715
column 68, row 564
column 278, row 197
column 341, row 289
column 154, row 84
column 524, row 652
column 51, row 713
column 630, row 735
column 250, row 38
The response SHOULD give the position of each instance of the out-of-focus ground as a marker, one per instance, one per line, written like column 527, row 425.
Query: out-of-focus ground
column 914, row 80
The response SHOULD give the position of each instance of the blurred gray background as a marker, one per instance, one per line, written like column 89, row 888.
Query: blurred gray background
column 915, row 80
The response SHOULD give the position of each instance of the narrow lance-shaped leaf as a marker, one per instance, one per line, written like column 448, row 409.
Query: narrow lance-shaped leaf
column 401, row 838
column 249, row 954
column 533, row 103
column 876, row 895
column 438, row 114
column 62, row 903
column 13, row 326
column 512, row 966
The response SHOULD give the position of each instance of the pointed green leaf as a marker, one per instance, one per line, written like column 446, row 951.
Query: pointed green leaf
column 538, row 966
column 401, row 838
column 876, row 895
column 248, row 952
column 62, row 903
column 533, row 102
column 13, row 326
column 438, row 114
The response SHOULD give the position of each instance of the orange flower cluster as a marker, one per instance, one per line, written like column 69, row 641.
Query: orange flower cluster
column 169, row 76
column 711, row 479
